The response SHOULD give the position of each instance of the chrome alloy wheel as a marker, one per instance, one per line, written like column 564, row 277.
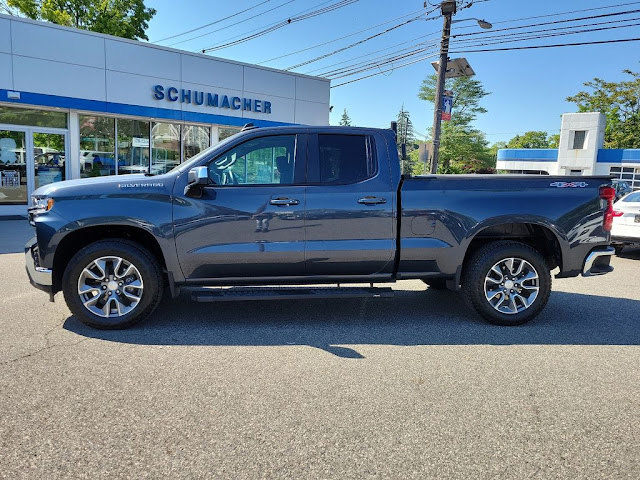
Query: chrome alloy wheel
column 511, row 286
column 110, row 286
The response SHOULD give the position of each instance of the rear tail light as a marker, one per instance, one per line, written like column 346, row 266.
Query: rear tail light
column 608, row 194
column 617, row 213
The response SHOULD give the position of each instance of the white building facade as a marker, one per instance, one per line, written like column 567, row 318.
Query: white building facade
column 579, row 152
column 77, row 104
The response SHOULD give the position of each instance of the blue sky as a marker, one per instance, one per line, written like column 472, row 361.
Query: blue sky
column 528, row 87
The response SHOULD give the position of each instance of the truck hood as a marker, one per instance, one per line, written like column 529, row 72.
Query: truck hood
column 104, row 184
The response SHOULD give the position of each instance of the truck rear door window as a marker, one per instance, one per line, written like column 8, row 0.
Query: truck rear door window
column 345, row 159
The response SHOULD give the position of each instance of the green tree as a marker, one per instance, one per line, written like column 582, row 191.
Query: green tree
column 406, row 139
column 493, row 150
column 406, row 132
column 554, row 140
column 345, row 120
column 123, row 18
column 620, row 102
column 463, row 148
column 531, row 139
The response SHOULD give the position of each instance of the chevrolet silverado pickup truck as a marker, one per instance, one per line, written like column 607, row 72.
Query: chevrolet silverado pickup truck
column 288, row 207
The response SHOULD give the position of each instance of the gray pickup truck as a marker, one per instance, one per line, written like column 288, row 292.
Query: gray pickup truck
column 312, row 205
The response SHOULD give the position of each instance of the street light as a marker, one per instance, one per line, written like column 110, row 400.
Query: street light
column 482, row 23
column 448, row 9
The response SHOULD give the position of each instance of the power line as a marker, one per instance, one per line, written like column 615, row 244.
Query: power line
column 561, row 13
column 621, row 40
column 372, row 53
column 373, row 65
column 211, row 32
column 336, row 71
column 213, row 23
column 339, row 38
column 284, row 23
column 548, row 35
column 523, row 36
column 359, row 42
column 384, row 71
column 592, row 17
column 491, row 50
column 313, row 71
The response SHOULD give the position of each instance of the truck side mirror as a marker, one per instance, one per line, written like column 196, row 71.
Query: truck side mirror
column 197, row 178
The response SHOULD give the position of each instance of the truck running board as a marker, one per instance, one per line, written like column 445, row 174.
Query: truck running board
column 286, row 293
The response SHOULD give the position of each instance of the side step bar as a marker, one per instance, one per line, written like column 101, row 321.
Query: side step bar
column 285, row 293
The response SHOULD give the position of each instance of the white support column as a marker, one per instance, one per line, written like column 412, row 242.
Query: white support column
column 215, row 135
column 74, row 145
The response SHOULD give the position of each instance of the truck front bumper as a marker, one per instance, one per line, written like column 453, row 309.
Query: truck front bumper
column 597, row 262
column 40, row 277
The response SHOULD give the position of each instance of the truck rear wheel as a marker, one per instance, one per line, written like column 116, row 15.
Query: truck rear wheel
column 112, row 284
column 507, row 282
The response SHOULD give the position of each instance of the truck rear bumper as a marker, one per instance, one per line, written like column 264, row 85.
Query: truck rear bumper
column 40, row 277
column 597, row 262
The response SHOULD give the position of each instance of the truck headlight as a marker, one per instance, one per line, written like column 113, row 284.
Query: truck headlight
column 41, row 204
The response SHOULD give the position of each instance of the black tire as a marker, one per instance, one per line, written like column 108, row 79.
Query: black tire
column 477, row 272
column 618, row 249
column 133, row 254
column 436, row 283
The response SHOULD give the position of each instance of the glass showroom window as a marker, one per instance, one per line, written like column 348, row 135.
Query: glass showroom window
column 165, row 147
column 33, row 118
column 13, row 168
column 133, row 146
column 194, row 140
column 97, row 146
column 226, row 132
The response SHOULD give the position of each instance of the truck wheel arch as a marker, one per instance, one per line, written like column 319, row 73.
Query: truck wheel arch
column 536, row 234
column 80, row 238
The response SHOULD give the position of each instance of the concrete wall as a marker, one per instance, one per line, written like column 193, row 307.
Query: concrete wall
column 583, row 159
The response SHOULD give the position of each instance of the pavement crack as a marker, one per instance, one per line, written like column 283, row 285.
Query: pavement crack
column 47, row 345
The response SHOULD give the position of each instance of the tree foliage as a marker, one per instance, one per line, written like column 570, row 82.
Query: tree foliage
column 406, row 133
column 463, row 148
column 406, row 141
column 620, row 102
column 345, row 120
column 123, row 18
column 531, row 139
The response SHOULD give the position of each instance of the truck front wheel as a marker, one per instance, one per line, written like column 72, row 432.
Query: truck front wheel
column 507, row 282
column 112, row 284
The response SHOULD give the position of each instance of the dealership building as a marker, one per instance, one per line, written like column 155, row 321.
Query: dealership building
column 77, row 104
column 580, row 152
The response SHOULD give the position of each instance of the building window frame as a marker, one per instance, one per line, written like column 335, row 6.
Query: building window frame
column 579, row 139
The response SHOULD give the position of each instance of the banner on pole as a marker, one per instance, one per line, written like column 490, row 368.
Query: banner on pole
column 447, row 104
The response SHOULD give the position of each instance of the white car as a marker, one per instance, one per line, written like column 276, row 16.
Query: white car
column 626, row 221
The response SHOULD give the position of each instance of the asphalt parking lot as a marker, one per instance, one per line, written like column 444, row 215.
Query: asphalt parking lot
column 415, row 386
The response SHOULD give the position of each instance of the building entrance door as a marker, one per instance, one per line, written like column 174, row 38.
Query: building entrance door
column 30, row 158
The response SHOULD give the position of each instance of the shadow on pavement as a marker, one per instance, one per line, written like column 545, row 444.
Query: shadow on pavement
column 630, row 253
column 412, row 318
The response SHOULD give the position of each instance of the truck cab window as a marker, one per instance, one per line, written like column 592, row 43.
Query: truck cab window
column 345, row 159
column 260, row 161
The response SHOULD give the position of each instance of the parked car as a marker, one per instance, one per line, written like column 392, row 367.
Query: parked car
column 626, row 222
column 622, row 188
column 307, row 205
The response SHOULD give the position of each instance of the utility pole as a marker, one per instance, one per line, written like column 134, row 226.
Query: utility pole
column 448, row 8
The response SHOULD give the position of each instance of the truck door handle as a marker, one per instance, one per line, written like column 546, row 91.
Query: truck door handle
column 370, row 200
column 283, row 202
